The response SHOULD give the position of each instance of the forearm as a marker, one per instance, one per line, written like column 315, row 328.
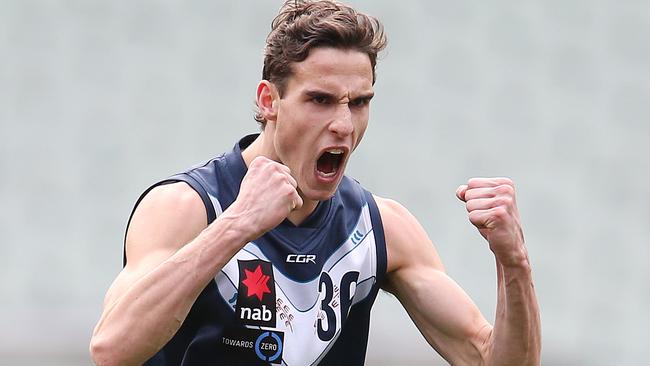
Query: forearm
column 143, row 318
column 516, row 337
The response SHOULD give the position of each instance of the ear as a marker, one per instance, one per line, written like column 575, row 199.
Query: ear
column 267, row 96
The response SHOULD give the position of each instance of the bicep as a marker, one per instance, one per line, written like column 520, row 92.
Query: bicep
column 166, row 219
column 442, row 311
column 440, row 308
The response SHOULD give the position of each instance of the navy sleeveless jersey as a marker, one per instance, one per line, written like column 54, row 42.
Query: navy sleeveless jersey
column 299, row 295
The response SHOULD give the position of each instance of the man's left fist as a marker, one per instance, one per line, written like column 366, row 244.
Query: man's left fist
column 492, row 208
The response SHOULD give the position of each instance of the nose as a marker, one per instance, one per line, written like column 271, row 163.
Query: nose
column 342, row 125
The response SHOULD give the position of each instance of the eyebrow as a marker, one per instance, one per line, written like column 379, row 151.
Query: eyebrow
column 367, row 96
column 323, row 94
column 320, row 93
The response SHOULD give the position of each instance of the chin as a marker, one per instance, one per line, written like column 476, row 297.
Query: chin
column 320, row 194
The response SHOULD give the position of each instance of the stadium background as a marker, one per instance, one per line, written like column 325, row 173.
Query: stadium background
column 98, row 99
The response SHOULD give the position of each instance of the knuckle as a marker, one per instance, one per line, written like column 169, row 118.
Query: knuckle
column 275, row 176
column 505, row 189
column 281, row 176
column 474, row 182
column 271, row 166
column 287, row 194
column 474, row 218
column 508, row 181
column 500, row 213
column 503, row 201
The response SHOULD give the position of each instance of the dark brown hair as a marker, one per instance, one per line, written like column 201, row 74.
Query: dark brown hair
column 303, row 24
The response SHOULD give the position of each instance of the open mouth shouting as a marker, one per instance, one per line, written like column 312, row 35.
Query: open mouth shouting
column 330, row 164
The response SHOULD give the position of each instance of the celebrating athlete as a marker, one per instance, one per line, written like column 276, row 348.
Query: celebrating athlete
column 269, row 254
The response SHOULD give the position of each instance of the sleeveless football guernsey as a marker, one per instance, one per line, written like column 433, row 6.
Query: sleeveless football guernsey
column 299, row 295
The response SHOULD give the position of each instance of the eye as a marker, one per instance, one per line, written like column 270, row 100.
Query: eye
column 320, row 99
column 359, row 102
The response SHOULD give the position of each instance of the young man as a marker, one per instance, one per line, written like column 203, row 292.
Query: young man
column 268, row 254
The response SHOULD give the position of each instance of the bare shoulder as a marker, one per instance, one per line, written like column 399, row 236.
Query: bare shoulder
column 168, row 217
column 407, row 243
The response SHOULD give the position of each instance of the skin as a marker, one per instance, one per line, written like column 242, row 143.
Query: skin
column 173, row 253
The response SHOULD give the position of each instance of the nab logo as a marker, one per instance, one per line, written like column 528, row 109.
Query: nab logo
column 256, row 282
column 262, row 314
column 301, row 258
column 256, row 293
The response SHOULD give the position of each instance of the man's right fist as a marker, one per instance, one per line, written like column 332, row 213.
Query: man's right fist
column 266, row 197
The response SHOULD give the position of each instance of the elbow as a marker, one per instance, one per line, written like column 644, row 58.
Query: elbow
column 104, row 352
column 97, row 351
column 100, row 352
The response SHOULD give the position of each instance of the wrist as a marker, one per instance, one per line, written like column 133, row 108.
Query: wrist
column 514, row 259
column 239, row 225
column 515, row 270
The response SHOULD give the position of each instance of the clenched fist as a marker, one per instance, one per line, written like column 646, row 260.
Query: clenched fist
column 492, row 208
column 266, row 196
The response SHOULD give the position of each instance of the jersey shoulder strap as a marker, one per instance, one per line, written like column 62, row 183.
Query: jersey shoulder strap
column 189, row 179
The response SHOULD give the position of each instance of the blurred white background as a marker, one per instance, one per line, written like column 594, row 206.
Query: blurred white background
column 99, row 99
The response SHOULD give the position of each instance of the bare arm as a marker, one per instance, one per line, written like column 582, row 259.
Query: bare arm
column 172, row 256
column 492, row 208
column 443, row 312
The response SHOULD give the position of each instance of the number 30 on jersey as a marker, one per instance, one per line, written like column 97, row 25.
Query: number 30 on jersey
column 327, row 325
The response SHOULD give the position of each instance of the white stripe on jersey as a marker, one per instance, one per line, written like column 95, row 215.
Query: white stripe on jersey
column 302, row 301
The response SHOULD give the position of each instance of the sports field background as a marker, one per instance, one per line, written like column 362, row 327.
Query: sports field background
column 98, row 99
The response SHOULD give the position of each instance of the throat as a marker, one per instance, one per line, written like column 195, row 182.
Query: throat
column 297, row 217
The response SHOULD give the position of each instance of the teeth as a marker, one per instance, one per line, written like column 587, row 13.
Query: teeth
column 335, row 151
column 326, row 175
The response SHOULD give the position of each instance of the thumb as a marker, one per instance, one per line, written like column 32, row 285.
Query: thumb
column 460, row 192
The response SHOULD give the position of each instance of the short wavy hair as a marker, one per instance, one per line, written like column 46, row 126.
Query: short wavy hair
column 305, row 24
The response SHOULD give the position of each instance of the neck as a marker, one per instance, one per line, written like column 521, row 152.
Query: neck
column 263, row 146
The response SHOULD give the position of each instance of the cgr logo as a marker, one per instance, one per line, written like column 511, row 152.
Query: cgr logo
column 301, row 258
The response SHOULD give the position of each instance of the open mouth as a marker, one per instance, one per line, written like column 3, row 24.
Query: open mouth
column 329, row 162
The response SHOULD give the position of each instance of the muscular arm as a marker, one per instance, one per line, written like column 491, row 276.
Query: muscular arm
column 443, row 312
column 171, row 257
column 173, row 254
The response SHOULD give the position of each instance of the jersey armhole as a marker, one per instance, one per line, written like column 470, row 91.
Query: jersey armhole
column 209, row 208
column 380, row 241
